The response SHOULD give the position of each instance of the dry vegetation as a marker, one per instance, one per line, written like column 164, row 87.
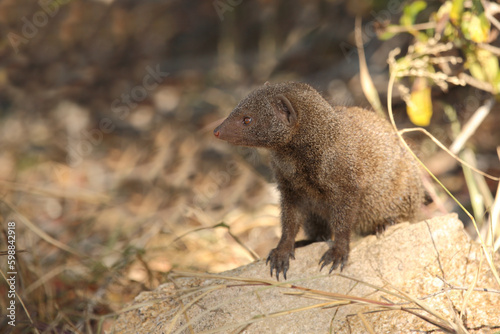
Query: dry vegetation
column 101, row 215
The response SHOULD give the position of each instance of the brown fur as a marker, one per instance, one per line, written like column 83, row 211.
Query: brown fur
column 339, row 169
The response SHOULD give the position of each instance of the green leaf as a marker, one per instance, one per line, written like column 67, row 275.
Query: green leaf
column 496, row 84
column 387, row 33
column 479, row 28
column 477, row 71
column 457, row 8
column 473, row 65
column 411, row 11
column 465, row 24
column 483, row 65
column 489, row 64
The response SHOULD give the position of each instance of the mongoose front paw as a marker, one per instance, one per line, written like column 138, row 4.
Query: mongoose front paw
column 279, row 260
column 335, row 255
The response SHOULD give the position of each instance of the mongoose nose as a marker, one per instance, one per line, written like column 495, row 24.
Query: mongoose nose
column 216, row 132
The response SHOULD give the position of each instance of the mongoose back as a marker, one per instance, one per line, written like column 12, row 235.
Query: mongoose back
column 338, row 169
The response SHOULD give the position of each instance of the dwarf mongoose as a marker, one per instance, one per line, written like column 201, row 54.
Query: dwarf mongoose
column 338, row 169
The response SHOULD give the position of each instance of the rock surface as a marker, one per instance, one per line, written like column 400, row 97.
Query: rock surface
column 433, row 261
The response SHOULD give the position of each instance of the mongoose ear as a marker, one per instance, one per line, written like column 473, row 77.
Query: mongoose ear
column 285, row 111
column 266, row 83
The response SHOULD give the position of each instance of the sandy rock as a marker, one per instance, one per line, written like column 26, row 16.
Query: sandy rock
column 433, row 261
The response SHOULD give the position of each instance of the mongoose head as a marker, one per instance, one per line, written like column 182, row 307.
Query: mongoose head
column 267, row 117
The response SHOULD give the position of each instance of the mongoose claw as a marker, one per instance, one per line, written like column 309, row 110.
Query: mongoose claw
column 336, row 257
column 280, row 261
column 380, row 229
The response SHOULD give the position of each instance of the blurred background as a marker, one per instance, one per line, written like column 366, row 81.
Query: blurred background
column 108, row 164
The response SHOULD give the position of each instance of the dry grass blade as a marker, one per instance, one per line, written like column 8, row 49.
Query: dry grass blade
column 476, row 197
column 493, row 49
column 480, row 195
column 482, row 185
column 366, row 81
column 471, row 126
column 288, row 285
column 431, row 321
column 340, row 296
column 444, row 148
column 365, row 322
column 392, row 293
column 470, row 289
column 441, row 324
column 126, row 309
column 44, row 279
column 175, row 274
column 482, row 85
column 440, row 321
column 315, row 296
column 495, row 216
column 254, row 255
column 490, row 9
column 299, row 309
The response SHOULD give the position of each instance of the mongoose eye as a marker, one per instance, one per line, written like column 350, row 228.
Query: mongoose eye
column 247, row 120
